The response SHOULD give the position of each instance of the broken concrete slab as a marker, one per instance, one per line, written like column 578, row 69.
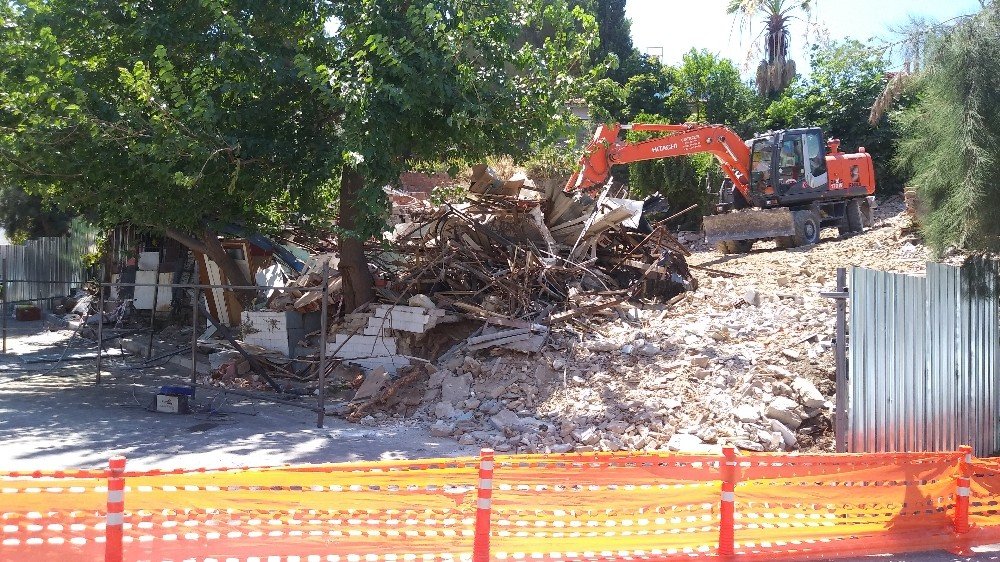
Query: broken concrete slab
column 374, row 382
column 809, row 396
column 455, row 389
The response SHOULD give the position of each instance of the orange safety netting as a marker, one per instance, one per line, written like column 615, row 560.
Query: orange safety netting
column 595, row 506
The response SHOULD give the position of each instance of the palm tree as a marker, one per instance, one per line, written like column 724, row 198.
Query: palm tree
column 776, row 69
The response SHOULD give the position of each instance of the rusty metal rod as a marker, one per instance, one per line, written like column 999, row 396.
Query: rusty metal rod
column 321, row 400
column 100, row 329
column 3, row 306
column 194, row 336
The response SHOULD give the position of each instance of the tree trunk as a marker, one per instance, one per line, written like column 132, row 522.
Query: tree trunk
column 211, row 247
column 359, row 285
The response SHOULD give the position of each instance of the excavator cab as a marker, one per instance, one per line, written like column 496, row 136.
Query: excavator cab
column 787, row 164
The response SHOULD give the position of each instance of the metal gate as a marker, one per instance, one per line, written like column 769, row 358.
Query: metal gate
column 922, row 369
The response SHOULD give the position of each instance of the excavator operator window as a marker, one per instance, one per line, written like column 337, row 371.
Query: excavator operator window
column 816, row 176
column 814, row 153
column 791, row 161
column 760, row 164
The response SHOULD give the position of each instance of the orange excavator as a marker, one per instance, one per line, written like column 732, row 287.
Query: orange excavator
column 784, row 185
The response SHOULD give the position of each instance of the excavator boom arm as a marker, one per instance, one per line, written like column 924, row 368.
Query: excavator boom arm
column 605, row 150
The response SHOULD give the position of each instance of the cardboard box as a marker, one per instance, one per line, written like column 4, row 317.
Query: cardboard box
column 170, row 404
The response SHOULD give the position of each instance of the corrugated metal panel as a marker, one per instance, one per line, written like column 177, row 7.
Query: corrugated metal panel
column 46, row 268
column 923, row 372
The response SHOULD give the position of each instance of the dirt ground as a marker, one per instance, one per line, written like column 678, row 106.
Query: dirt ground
column 53, row 416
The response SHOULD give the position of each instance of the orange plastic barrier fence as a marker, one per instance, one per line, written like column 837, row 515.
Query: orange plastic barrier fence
column 553, row 507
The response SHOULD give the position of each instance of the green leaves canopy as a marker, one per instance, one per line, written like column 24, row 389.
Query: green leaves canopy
column 171, row 115
column 165, row 114
column 451, row 78
column 948, row 140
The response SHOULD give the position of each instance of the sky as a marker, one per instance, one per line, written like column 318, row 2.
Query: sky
column 679, row 25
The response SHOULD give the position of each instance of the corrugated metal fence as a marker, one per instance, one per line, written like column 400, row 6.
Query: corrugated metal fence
column 46, row 268
column 923, row 372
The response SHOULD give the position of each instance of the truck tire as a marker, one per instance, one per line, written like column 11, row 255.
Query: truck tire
column 741, row 246
column 855, row 221
column 807, row 227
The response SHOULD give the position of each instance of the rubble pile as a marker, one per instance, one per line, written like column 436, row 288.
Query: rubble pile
column 745, row 360
column 529, row 321
column 504, row 265
column 530, row 254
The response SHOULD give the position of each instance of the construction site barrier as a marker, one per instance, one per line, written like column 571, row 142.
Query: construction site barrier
column 595, row 506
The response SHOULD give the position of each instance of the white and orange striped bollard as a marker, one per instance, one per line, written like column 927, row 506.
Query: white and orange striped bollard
column 727, row 507
column 484, row 499
column 114, row 526
column 963, row 489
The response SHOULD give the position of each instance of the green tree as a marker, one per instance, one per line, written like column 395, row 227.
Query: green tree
column 420, row 81
column 683, row 181
column 948, row 143
column 715, row 93
column 25, row 216
column 776, row 70
column 615, row 33
column 607, row 101
column 708, row 90
column 181, row 117
column 174, row 117
column 837, row 96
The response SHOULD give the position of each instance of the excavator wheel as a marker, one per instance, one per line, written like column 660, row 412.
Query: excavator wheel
column 807, row 227
column 855, row 221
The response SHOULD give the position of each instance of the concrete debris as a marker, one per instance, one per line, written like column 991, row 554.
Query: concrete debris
column 442, row 429
column 455, row 388
column 493, row 328
column 747, row 413
column 787, row 436
column 808, row 395
column 786, row 411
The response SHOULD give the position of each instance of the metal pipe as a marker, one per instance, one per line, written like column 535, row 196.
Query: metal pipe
column 3, row 296
column 257, row 396
column 156, row 297
column 207, row 286
column 100, row 329
column 840, row 416
column 321, row 400
column 194, row 336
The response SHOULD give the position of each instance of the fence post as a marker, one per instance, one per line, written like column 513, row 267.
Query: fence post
column 3, row 301
column 840, row 416
column 962, row 489
column 727, row 509
column 484, row 499
column 100, row 328
column 113, row 528
column 194, row 336
column 323, row 329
